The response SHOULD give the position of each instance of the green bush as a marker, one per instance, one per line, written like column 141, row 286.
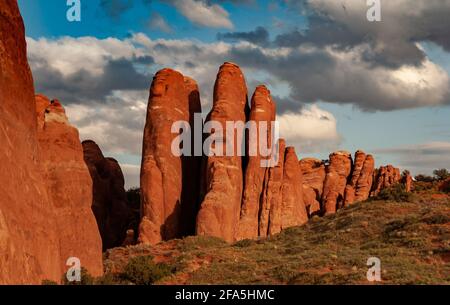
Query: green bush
column 424, row 178
column 244, row 243
column 396, row 193
column 441, row 174
column 109, row 279
column 142, row 270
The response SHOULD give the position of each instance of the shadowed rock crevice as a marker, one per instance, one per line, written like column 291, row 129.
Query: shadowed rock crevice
column 110, row 205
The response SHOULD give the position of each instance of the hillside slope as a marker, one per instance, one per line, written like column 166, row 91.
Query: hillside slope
column 412, row 240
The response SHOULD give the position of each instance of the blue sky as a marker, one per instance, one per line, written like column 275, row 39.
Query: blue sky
column 411, row 130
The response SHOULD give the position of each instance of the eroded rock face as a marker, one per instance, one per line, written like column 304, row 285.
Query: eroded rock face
column 270, row 221
column 365, row 180
column 165, row 192
column 262, row 110
column 109, row 204
column 69, row 186
column 360, row 183
column 385, row 177
column 29, row 241
column 350, row 189
column 313, row 174
column 220, row 210
column 293, row 209
column 407, row 180
column 338, row 172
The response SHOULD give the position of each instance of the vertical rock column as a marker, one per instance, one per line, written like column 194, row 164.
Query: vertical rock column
column 69, row 186
column 161, row 169
column 338, row 172
column 293, row 209
column 313, row 174
column 262, row 110
column 270, row 214
column 365, row 180
column 350, row 189
column 220, row 210
column 29, row 242
column 385, row 177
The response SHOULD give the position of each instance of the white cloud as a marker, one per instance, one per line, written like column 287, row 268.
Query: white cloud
column 310, row 130
column 204, row 14
column 116, row 120
column 69, row 55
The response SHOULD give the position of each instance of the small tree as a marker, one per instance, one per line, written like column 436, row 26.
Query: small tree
column 424, row 178
column 441, row 174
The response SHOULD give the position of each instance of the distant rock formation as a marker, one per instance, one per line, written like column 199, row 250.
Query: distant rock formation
column 385, row 177
column 338, row 172
column 360, row 184
column 69, row 186
column 313, row 174
column 407, row 180
column 109, row 204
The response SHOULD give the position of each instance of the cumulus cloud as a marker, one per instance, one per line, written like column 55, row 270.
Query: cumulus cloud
column 342, row 77
column 104, row 83
column 111, row 75
column 393, row 40
column 260, row 36
column 203, row 13
column 420, row 158
column 310, row 130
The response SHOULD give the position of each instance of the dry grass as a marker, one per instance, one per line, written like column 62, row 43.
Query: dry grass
column 412, row 239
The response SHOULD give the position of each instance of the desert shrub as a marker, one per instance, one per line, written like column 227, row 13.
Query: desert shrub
column 437, row 219
column 200, row 242
column 424, row 178
column 142, row 270
column 396, row 193
column 49, row 283
column 441, row 174
column 421, row 186
column 109, row 279
column 244, row 243
column 285, row 273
